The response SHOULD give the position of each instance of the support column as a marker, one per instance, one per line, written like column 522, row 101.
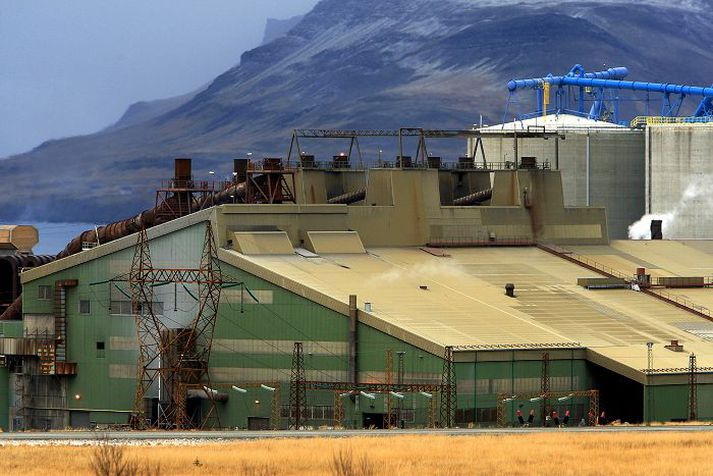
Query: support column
column 353, row 370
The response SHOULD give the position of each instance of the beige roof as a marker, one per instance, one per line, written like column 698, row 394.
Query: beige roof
column 465, row 304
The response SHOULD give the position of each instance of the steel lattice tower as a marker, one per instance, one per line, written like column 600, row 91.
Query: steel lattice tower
column 400, row 380
column 692, row 388
column 176, row 359
column 545, row 384
column 448, row 389
column 389, row 423
column 147, row 329
column 298, row 389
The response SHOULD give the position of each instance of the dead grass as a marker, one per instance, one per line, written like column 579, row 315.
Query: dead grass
column 552, row 453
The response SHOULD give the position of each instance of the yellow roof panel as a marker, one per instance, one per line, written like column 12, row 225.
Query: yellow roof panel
column 460, row 299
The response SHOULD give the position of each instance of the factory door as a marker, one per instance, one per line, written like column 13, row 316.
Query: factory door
column 258, row 423
column 373, row 420
column 78, row 419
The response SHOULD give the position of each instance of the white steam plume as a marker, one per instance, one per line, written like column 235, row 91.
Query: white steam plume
column 693, row 211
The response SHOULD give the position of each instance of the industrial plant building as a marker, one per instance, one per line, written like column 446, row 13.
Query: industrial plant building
column 414, row 295
column 653, row 164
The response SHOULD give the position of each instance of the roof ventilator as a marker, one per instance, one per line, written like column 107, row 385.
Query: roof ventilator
column 510, row 290
column 674, row 346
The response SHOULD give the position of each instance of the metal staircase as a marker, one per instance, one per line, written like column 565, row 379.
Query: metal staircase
column 53, row 354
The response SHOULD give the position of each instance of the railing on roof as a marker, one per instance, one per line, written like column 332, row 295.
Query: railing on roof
column 681, row 302
column 456, row 165
column 676, row 370
column 584, row 262
column 481, row 240
column 678, row 301
column 640, row 121
column 525, row 346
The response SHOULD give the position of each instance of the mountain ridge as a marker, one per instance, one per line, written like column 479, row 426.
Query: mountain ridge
column 358, row 64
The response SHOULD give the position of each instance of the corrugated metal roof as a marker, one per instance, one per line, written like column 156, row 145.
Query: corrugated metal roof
column 460, row 300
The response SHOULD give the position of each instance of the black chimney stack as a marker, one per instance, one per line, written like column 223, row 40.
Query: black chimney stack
column 656, row 230
column 510, row 290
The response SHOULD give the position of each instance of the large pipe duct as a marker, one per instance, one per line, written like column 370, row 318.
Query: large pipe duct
column 474, row 198
column 10, row 267
column 663, row 88
column 349, row 197
column 620, row 72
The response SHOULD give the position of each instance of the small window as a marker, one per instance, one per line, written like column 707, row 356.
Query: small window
column 100, row 345
column 100, row 349
column 121, row 308
column 84, row 307
column 45, row 292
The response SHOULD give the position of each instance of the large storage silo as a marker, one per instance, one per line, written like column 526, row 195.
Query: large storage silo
column 602, row 164
column 679, row 173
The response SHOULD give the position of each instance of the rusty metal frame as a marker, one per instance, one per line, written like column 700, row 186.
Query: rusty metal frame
column 192, row 345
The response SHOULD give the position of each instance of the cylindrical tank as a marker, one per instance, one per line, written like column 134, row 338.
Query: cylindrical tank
column 21, row 238
column 679, row 173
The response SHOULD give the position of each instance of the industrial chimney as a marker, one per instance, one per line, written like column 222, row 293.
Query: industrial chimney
column 656, row 229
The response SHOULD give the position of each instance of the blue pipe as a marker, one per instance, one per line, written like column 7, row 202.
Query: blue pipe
column 705, row 107
column 664, row 88
column 619, row 72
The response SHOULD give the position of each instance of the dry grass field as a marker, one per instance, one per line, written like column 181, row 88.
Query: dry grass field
column 551, row 454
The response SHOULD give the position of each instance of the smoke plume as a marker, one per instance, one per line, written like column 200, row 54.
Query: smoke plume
column 692, row 213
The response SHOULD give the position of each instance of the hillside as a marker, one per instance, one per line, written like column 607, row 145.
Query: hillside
column 355, row 63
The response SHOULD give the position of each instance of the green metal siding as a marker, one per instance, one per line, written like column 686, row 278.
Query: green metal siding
column 4, row 399
column 485, row 380
column 670, row 402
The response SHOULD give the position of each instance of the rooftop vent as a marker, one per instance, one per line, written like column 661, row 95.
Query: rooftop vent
column 528, row 162
column 674, row 346
column 510, row 290
column 434, row 162
column 340, row 161
column 403, row 161
column 307, row 161
column 272, row 163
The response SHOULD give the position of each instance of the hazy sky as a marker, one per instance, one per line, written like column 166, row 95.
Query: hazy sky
column 72, row 67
